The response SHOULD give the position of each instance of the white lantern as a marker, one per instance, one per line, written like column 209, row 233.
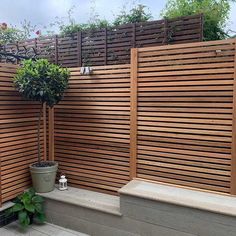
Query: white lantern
column 63, row 183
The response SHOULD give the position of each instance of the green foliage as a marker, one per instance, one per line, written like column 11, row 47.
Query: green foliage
column 216, row 13
column 42, row 81
column 94, row 23
column 137, row 14
column 28, row 205
column 74, row 27
column 10, row 35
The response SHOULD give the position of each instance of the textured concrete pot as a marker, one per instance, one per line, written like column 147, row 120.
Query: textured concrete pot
column 43, row 178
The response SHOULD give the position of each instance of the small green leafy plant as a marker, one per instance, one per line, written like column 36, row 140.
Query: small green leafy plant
column 28, row 205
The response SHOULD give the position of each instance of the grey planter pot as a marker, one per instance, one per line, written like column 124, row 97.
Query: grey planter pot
column 43, row 178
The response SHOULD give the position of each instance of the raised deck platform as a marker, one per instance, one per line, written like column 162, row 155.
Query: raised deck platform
column 143, row 209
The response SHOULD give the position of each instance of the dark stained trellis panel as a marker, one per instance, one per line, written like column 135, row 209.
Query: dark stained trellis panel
column 112, row 45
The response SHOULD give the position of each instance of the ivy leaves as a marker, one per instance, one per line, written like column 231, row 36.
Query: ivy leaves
column 27, row 206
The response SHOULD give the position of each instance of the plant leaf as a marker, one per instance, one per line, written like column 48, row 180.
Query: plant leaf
column 17, row 207
column 31, row 192
column 30, row 207
column 38, row 208
column 23, row 218
column 37, row 199
column 41, row 217
column 26, row 198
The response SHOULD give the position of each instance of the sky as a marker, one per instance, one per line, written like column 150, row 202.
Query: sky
column 44, row 12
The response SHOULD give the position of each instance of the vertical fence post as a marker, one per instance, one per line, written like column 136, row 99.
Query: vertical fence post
column 133, row 112
column 165, row 40
column 201, row 27
column 233, row 147
column 134, row 35
column 51, row 133
column 79, row 48
column 17, row 49
column 105, row 46
column 36, row 44
column 56, row 49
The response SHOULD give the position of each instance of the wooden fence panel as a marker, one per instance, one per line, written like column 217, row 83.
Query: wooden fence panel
column 185, row 113
column 167, row 117
column 18, row 136
column 67, row 49
column 92, row 129
column 46, row 48
column 112, row 45
column 171, row 123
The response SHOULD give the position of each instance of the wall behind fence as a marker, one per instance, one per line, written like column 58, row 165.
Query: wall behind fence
column 92, row 129
column 18, row 136
column 112, row 45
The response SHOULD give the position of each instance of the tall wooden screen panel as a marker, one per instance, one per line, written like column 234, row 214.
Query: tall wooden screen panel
column 92, row 129
column 185, row 114
column 18, row 136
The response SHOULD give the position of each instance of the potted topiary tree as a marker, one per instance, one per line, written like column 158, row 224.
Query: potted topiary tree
column 45, row 83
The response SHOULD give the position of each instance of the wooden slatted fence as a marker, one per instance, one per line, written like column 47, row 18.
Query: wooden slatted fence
column 185, row 114
column 112, row 45
column 18, row 136
column 92, row 129
column 167, row 117
column 175, row 118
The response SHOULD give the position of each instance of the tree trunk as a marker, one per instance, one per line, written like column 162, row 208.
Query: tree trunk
column 39, row 123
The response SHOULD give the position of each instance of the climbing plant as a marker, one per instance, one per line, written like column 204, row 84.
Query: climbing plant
column 139, row 13
column 215, row 13
column 9, row 34
column 12, row 34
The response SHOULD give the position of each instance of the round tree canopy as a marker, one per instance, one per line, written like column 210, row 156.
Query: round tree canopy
column 42, row 81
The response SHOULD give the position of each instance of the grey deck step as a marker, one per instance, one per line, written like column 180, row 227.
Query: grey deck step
column 86, row 198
